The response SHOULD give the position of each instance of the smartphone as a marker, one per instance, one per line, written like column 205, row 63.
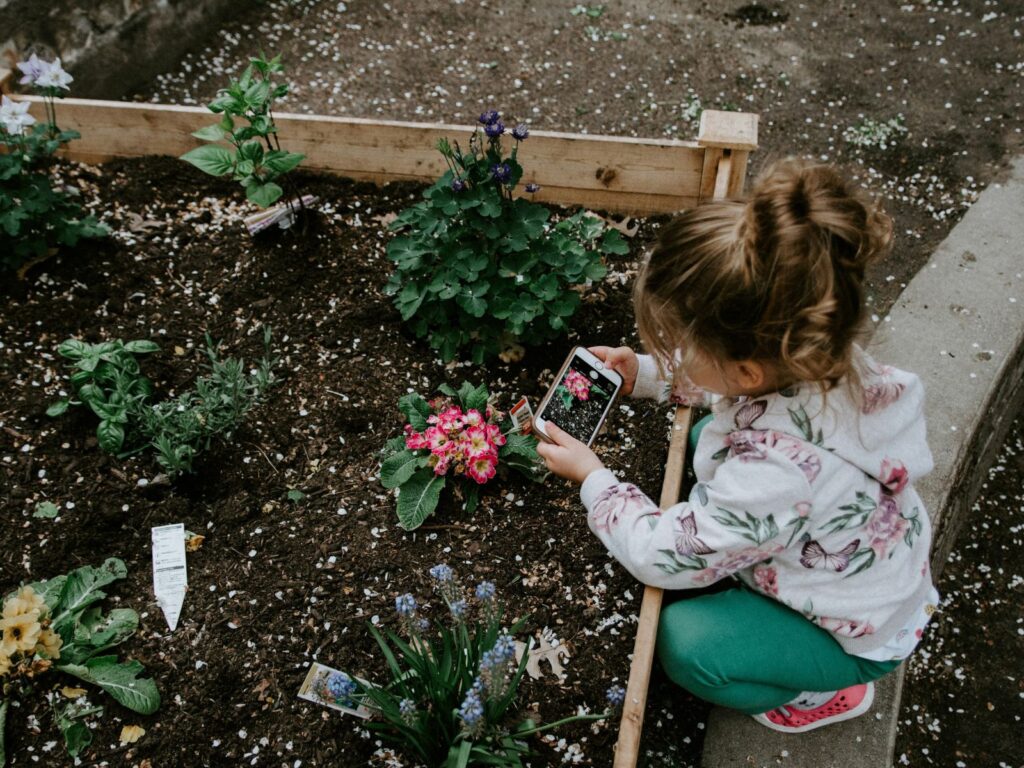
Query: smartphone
column 581, row 397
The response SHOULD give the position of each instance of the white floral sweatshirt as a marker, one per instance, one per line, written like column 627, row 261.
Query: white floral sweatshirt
column 809, row 502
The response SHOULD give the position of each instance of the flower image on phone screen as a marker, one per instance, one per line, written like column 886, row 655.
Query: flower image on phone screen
column 579, row 400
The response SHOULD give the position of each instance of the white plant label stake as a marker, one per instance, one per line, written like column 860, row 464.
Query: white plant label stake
column 170, row 576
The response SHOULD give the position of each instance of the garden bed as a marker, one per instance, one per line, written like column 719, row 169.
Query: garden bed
column 284, row 579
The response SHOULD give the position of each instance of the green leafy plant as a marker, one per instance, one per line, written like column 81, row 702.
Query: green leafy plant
column 254, row 158
column 456, row 436
column 476, row 266
column 36, row 214
column 107, row 378
column 452, row 686
column 58, row 625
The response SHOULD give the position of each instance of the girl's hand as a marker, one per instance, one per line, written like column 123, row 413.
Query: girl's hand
column 623, row 360
column 567, row 457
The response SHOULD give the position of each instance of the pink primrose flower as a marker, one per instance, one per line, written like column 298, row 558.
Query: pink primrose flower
column 439, row 463
column 483, row 467
column 494, row 434
column 477, row 441
column 473, row 418
column 436, row 439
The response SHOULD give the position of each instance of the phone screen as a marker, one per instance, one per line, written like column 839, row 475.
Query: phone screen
column 579, row 400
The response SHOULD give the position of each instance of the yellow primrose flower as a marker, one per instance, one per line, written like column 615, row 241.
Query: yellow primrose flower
column 20, row 633
column 50, row 643
column 5, row 664
column 25, row 600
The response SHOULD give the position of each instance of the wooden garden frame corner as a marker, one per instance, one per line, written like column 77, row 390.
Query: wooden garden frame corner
column 618, row 174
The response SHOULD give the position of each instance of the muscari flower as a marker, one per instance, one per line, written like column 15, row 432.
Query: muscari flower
column 14, row 116
column 405, row 605
column 485, row 591
column 472, row 709
column 520, row 132
column 531, row 187
column 501, row 172
column 441, row 573
column 616, row 695
column 458, row 608
column 458, row 185
column 494, row 130
column 407, row 709
column 490, row 117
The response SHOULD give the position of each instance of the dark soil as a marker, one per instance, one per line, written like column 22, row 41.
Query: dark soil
column 279, row 583
column 812, row 71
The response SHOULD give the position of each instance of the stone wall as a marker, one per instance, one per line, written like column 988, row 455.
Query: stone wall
column 111, row 47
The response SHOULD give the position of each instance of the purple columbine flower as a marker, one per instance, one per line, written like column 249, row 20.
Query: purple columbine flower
column 501, row 172
column 531, row 187
column 489, row 117
column 494, row 130
column 520, row 132
column 458, row 185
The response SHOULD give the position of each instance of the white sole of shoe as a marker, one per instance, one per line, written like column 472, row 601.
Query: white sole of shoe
column 857, row 711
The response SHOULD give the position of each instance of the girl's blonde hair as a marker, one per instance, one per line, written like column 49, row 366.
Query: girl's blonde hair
column 777, row 278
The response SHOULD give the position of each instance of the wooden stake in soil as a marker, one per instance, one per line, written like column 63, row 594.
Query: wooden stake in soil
column 728, row 139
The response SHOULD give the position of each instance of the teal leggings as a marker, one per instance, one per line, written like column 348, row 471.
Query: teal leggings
column 742, row 650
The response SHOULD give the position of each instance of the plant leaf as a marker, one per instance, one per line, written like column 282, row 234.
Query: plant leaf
column 210, row 133
column 264, row 195
column 141, row 346
column 211, row 159
column 398, row 468
column 3, row 730
column 121, row 681
column 415, row 409
column 58, row 408
column 418, row 497
column 82, row 588
column 110, row 436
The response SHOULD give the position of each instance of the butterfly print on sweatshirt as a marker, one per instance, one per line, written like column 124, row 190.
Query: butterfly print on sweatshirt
column 687, row 541
column 813, row 555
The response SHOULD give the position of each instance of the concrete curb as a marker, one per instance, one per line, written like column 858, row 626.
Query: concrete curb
column 960, row 326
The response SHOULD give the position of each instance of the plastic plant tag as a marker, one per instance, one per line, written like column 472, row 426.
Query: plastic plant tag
column 522, row 416
column 332, row 688
column 170, row 575
column 282, row 214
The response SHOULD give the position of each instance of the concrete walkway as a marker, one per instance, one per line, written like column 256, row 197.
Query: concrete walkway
column 959, row 325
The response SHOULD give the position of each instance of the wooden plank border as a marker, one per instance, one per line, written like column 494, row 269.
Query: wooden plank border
column 620, row 174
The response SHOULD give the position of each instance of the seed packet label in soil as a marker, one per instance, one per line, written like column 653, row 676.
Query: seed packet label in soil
column 170, row 576
column 329, row 688
column 522, row 416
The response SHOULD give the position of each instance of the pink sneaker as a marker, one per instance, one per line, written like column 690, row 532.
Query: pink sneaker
column 845, row 705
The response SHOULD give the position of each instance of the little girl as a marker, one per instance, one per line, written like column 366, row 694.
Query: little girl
column 804, row 471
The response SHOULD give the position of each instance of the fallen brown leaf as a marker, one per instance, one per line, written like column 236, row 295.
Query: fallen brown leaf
column 132, row 733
